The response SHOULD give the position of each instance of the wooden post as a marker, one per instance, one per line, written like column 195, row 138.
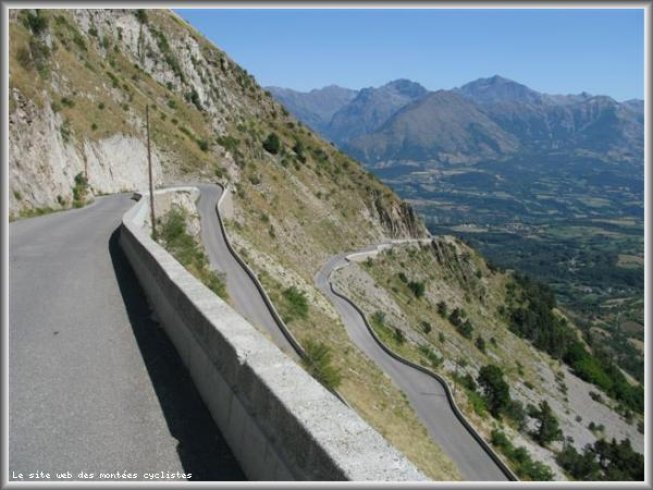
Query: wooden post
column 455, row 379
column 149, row 165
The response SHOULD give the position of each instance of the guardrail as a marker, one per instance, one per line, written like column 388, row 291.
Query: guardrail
column 280, row 423
column 452, row 402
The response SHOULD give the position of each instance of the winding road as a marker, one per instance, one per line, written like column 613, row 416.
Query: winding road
column 94, row 384
column 242, row 291
column 427, row 396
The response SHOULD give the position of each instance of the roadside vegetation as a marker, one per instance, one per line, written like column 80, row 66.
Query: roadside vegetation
column 520, row 459
column 607, row 461
column 334, row 361
column 80, row 190
column 319, row 364
column 172, row 234
column 489, row 334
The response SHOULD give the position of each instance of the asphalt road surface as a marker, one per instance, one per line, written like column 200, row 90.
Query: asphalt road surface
column 426, row 395
column 94, row 384
column 244, row 294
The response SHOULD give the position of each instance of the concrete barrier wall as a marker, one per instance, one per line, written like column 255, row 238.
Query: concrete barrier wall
column 280, row 423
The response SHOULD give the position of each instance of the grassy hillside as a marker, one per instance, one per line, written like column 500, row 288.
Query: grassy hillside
column 79, row 84
column 444, row 307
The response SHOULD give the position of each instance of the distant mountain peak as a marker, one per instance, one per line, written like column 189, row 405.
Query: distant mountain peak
column 332, row 88
column 498, row 89
column 498, row 79
column 406, row 87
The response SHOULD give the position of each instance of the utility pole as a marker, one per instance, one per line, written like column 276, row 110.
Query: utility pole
column 455, row 379
column 149, row 165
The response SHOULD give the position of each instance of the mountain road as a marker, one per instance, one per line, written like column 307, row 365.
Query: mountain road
column 426, row 395
column 95, row 386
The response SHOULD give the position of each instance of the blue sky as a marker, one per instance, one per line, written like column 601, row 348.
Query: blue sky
column 555, row 51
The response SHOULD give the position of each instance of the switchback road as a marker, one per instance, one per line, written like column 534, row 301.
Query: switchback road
column 426, row 395
column 242, row 290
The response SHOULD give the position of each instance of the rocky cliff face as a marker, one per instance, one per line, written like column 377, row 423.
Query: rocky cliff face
column 44, row 164
column 80, row 81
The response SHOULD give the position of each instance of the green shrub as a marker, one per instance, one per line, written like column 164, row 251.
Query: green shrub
column 295, row 304
column 478, row 403
column 80, row 189
column 604, row 461
column 524, row 465
column 194, row 98
column 442, row 309
column 495, row 389
column 65, row 101
column 298, row 148
column 418, row 288
column 466, row 329
column 229, row 143
column 378, row 318
column 65, row 131
column 272, row 144
column 480, row 343
column 35, row 22
column 35, row 55
column 79, row 40
column 516, row 412
column 203, row 144
column 318, row 363
column 173, row 235
column 141, row 15
column 431, row 357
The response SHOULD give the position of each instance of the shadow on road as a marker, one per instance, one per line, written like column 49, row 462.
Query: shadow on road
column 202, row 450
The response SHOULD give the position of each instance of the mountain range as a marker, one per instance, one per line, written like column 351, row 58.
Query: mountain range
column 484, row 120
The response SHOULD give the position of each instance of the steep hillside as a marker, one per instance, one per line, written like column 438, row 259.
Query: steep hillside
column 79, row 84
column 443, row 307
column 80, row 81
